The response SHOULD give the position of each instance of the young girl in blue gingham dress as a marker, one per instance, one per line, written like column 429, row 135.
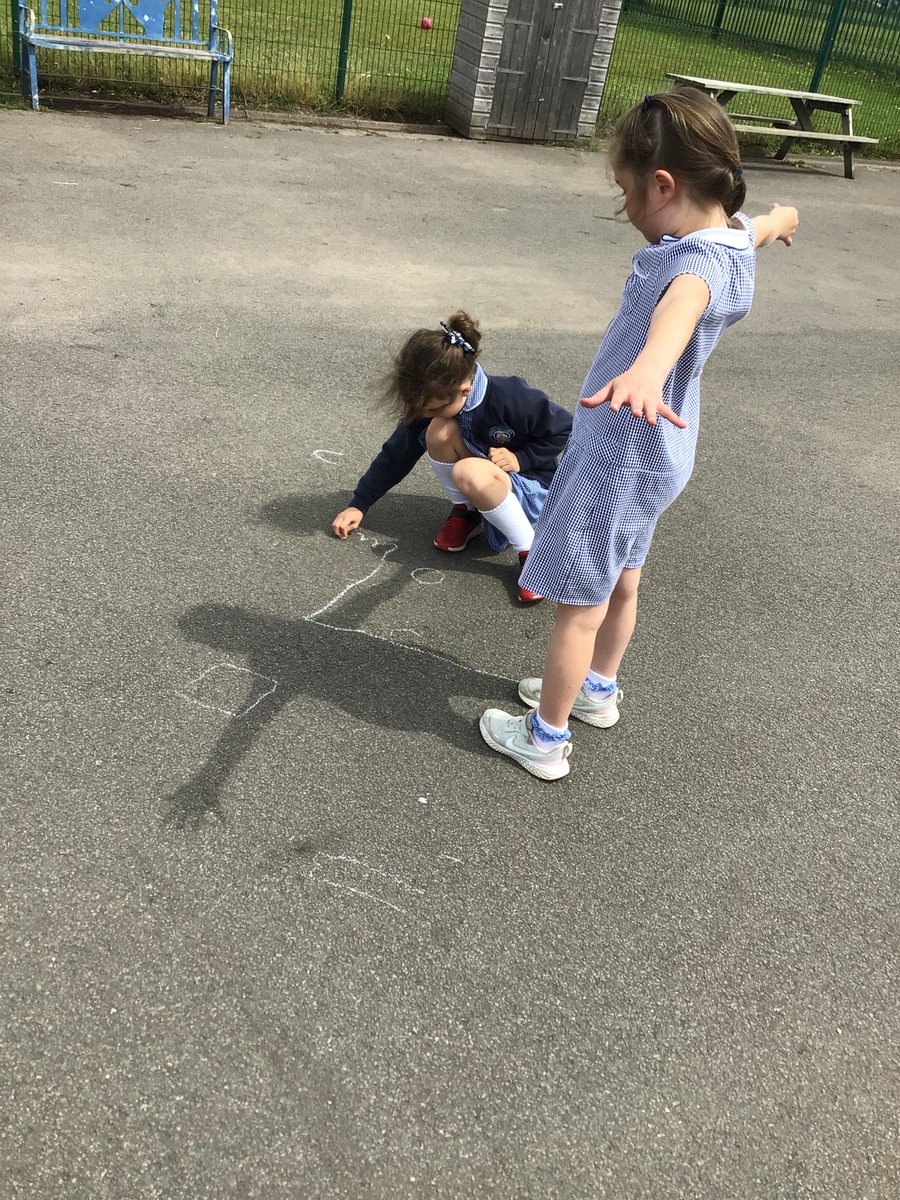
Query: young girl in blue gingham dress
column 677, row 162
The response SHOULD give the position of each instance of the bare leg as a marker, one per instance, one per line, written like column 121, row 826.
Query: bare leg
column 615, row 633
column 568, row 659
column 443, row 441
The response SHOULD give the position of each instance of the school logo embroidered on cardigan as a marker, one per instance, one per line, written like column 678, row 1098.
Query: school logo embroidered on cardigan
column 500, row 435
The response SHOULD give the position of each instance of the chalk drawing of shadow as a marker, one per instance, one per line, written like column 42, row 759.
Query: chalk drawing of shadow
column 329, row 656
column 410, row 521
column 370, row 680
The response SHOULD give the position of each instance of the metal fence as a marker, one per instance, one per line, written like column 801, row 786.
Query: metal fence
column 393, row 57
column 381, row 57
column 842, row 47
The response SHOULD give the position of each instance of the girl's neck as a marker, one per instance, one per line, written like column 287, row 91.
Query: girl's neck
column 689, row 217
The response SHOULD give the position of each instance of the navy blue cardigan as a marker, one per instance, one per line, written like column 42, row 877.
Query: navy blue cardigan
column 512, row 415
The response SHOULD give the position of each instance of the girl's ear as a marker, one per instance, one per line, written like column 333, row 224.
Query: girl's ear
column 663, row 184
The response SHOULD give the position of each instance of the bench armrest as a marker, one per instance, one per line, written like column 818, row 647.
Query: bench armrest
column 219, row 31
column 26, row 19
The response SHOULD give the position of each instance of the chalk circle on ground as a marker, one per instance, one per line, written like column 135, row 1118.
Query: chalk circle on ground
column 228, row 689
column 328, row 456
column 427, row 576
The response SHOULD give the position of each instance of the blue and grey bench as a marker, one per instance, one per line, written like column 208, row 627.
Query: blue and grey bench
column 159, row 28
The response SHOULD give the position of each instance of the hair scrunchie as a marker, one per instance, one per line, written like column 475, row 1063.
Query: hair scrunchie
column 456, row 339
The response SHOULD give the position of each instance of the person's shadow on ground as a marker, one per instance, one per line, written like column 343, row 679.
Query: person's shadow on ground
column 371, row 679
column 409, row 521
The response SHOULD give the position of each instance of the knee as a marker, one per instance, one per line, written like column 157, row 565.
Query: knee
column 480, row 481
column 582, row 619
column 469, row 473
column 626, row 588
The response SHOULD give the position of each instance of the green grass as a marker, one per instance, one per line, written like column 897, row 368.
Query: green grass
column 647, row 48
column 287, row 57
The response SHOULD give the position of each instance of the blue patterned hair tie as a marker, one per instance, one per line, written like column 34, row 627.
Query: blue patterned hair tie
column 738, row 171
column 456, row 339
column 648, row 104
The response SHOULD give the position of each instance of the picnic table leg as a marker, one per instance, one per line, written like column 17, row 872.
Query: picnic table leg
column 804, row 122
column 847, row 127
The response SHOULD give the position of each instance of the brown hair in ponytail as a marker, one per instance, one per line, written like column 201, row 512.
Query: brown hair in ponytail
column 688, row 134
column 432, row 366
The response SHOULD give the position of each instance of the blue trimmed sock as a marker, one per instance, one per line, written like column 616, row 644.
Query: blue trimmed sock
column 598, row 687
column 547, row 737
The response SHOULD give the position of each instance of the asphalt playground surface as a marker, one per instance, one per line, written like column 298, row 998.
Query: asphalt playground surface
column 275, row 922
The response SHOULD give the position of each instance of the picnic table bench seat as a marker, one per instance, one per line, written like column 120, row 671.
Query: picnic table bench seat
column 804, row 104
column 158, row 29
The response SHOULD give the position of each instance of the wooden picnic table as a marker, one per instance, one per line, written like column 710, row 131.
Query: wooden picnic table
column 804, row 104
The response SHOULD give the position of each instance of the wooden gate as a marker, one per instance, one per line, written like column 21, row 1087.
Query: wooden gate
column 545, row 62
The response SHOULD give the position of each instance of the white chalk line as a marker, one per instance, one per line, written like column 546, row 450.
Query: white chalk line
column 345, row 887
column 435, row 654
column 351, row 586
column 389, row 641
column 229, row 712
column 358, row 862
column 328, row 456
column 423, row 575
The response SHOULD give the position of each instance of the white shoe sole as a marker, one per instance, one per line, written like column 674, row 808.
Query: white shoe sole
column 604, row 720
column 547, row 771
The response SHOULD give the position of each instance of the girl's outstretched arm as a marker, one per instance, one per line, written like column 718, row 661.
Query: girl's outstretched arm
column 779, row 225
column 672, row 327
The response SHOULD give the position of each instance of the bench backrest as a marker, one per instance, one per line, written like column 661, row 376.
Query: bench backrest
column 175, row 21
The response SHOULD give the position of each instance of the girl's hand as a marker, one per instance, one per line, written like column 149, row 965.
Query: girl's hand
column 345, row 522
column 786, row 221
column 504, row 459
column 639, row 392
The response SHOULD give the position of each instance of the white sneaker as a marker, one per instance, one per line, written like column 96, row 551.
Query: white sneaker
column 602, row 713
column 512, row 736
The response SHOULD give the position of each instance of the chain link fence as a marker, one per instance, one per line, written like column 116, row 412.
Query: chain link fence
column 392, row 58
column 384, row 58
column 841, row 47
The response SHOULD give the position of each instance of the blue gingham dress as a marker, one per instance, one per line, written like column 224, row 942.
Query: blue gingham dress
column 618, row 474
column 530, row 493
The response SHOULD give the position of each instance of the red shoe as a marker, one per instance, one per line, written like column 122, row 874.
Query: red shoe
column 458, row 530
column 525, row 595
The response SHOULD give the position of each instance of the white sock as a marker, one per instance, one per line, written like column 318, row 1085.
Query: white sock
column 444, row 473
column 545, row 736
column 597, row 686
column 509, row 517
